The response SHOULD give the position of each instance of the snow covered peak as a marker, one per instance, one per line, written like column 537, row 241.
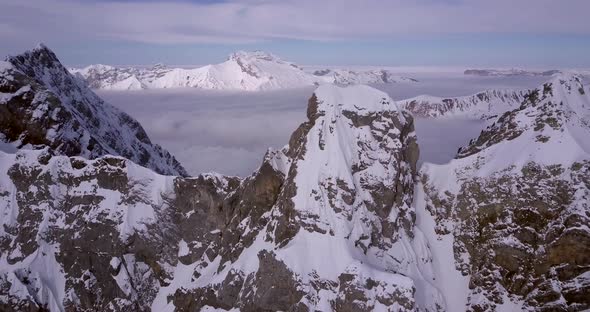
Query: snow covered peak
column 40, row 62
column 358, row 98
column 249, row 71
column 355, row 137
column 41, row 47
column 46, row 106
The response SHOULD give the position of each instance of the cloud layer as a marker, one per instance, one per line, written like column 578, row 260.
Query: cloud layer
column 229, row 132
column 258, row 20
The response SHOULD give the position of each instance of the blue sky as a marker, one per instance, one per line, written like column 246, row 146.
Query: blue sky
column 494, row 33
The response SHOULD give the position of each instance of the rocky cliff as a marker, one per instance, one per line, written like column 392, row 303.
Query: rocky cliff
column 515, row 202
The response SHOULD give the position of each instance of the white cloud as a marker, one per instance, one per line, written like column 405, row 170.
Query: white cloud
column 248, row 21
column 226, row 132
column 229, row 132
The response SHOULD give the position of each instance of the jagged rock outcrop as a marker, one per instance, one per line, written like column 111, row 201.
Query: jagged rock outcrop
column 516, row 201
column 42, row 104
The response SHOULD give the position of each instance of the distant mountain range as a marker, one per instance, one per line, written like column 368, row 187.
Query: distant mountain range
column 509, row 72
column 483, row 105
column 249, row 71
column 515, row 72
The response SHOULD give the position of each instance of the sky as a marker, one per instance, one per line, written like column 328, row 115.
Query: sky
column 486, row 33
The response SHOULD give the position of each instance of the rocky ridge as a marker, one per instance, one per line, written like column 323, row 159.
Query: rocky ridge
column 42, row 105
column 520, row 192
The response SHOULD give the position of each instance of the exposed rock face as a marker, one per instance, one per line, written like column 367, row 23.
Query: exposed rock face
column 519, row 201
column 485, row 105
column 323, row 224
column 94, row 235
column 43, row 105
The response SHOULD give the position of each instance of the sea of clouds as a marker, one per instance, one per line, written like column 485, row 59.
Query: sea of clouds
column 229, row 132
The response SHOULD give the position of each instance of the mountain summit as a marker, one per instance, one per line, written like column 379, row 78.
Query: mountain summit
column 43, row 105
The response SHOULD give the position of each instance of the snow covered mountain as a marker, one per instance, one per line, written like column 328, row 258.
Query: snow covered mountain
column 249, row 71
column 43, row 105
column 514, row 206
column 323, row 224
column 242, row 71
column 484, row 105
column 339, row 219
column 113, row 78
column 351, row 77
